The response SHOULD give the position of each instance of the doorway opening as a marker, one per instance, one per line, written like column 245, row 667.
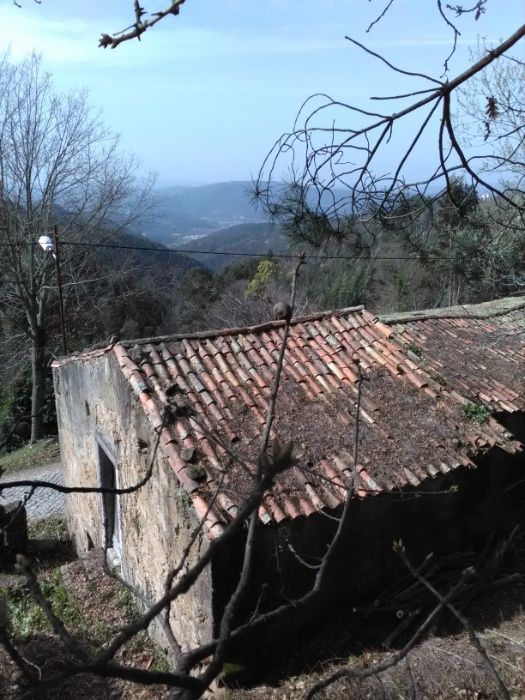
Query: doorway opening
column 110, row 504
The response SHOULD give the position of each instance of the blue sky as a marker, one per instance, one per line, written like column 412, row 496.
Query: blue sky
column 204, row 95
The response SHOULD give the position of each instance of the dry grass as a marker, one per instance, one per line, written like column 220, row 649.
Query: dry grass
column 443, row 666
column 41, row 453
column 94, row 607
column 439, row 667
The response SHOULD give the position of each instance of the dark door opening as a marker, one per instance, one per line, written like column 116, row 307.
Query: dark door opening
column 110, row 503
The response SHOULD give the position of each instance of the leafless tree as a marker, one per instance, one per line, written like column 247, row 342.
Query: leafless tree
column 58, row 165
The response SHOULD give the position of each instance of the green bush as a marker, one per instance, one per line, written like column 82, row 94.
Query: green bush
column 476, row 412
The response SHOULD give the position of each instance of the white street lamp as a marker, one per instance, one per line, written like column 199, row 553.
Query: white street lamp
column 46, row 242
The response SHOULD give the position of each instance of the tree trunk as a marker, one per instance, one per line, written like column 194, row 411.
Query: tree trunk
column 38, row 379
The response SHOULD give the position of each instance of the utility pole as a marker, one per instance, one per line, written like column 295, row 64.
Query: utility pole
column 59, row 283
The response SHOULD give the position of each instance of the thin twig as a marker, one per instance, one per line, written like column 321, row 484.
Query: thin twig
column 380, row 16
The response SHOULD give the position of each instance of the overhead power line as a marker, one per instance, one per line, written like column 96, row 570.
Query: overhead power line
column 187, row 251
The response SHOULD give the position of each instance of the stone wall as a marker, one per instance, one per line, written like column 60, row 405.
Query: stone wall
column 97, row 409
column 459, row 511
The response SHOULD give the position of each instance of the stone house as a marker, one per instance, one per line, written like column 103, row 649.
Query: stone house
column 416, row 439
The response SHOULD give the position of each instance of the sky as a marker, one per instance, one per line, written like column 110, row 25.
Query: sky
column 204, row 95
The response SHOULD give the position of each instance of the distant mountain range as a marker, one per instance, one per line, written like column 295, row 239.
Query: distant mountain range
column 184, row 213
column 215, row 217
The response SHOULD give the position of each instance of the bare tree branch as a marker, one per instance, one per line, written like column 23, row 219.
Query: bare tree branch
column 376, row 669
column 140, row 25
column 281, row 460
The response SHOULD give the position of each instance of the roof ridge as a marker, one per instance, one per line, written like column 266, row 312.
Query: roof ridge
column 215, row 333
column 94, row 351
column 486, row 309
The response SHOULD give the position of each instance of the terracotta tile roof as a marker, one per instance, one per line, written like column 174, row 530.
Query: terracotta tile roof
column 478, row 350
column 412, row 427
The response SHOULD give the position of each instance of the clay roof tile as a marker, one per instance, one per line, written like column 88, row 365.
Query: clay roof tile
column 225, row 377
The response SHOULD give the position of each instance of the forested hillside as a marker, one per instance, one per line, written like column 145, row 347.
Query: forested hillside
column 183, row 213
column 242, row 240
column 115, row 284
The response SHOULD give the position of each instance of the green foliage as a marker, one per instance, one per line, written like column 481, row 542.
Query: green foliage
column 61, row 601
column 101, row 632
column 230, row 669
column 127, row 602
column 407, row 211
column 130, row 329
column 196, row 291
column 25, row 616
column 15, row 397
column 240, row 270
column 490, row 252
column 198, row 283
column 7, row 408
column 437, row 377
column 7, row 401
column 476, row 412
column 15, row 402
column 160, row 662
column 183, row 497
column 266, row 272
column 455, row 206
column 53, row 528
column 337, row 283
